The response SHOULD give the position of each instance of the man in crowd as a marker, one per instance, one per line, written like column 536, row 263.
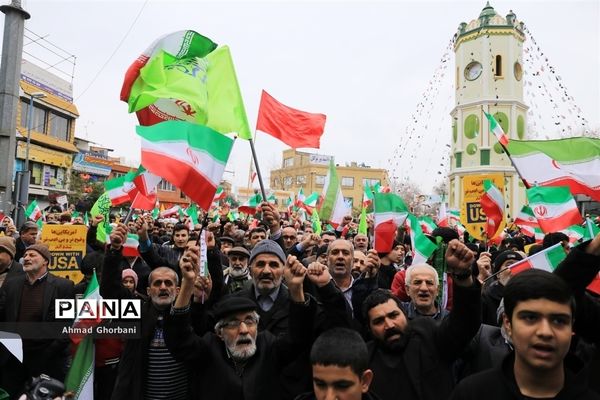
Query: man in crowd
column 27, row 236
column 29, row 298
column 290, row 238
column 422, row 282
column 361, row 242
column 243, row 359
column 9, row 267
column 390, row 264
column 257, row 235
column 359, row 264
column 404, row 354
column 538, row 317
column 340, row 359
column 492, row 294
column 237, row 275
column 166, row 255
column 147, row 368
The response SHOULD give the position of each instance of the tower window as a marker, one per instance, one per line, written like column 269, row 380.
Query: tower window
column 498, row 66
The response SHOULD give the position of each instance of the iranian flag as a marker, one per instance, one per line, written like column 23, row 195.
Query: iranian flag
column 574, row 233
column 554, row 207
column 390, row 213
column 497, row 130
column 191, row 157
column 33, row 211
column 118, row 189
column 192, row 212
column 423, row 248
column 219, row 194
column 572, row 162
column 169, row 212
column 492, row 203
column 310, row 203
column 591, row 230
column 80, row 378
column 526, row 218
column 250, row 206
column 130, row 247
column 333, row 207
column 547, row 260
column 427, row 224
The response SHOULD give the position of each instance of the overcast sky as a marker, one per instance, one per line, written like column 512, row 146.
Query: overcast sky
column 365, row 64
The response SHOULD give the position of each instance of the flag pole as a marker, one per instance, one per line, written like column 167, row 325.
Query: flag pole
column 527, row 186
column 129, row 215
column 258, row 174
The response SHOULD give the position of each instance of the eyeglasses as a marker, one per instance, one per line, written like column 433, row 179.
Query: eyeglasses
column 235, row 323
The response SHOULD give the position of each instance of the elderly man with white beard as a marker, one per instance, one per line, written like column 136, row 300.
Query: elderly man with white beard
column 237, row 361
column 237, row 275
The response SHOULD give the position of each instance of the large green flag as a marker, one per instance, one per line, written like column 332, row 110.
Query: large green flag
column 207, row 88
column 362, row 223
column 316, row 222
column 101, row 207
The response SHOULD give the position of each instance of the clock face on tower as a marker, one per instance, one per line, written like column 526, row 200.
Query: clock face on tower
column 518, row 71
column 473, row 70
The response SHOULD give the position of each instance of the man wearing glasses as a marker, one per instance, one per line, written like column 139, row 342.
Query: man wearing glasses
column 236, row 361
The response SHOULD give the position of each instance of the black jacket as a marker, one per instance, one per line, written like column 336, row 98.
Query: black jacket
column 15, row 271
column 490, row 300
column 430, row 348
column 49, row 356
column 217, row 376
column 578, row 270
column 499, row 383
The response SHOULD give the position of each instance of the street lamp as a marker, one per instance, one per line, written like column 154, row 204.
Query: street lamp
column 34, row 95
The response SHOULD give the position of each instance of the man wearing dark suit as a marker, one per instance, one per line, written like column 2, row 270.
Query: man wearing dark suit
column 30, row 299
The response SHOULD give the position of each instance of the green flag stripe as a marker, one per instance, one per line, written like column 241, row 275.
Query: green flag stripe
column 219, row 146
column 576, row 150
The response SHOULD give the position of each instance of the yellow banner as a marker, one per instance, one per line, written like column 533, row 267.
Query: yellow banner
column 471, row 214
column 43, row 155
column 67, row 246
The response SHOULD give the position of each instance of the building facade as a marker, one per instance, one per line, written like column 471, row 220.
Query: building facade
column 489, row 72
column 307, row 171
column 51, row 131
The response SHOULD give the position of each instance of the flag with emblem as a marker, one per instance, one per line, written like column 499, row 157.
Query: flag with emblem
column 33, row 211
column 423, row 248
column 492, row 204
column 390, row 213
column 554, row 207
column 497, row 130
column 250, row 206
column 572, row 162
column 191, row 157
column 427, row 224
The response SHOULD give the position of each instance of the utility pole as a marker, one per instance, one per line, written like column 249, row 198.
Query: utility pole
column 10, row 75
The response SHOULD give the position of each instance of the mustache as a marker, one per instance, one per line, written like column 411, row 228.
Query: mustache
column 391, row 332
column 244, row 340
column 266, row 276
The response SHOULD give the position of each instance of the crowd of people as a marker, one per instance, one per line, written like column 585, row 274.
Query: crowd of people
column 284, row 312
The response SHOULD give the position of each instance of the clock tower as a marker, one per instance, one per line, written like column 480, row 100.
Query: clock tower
column 488, row 78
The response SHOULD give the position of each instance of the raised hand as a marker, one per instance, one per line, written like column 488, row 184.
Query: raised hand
column 190, row 263
column 294, row 273
column 142, row 229
column 459, row 259
column 118, row 236
column 318, row 274
column 202, row 288
column 372, row 264
column 484, row 266
column 270, row 216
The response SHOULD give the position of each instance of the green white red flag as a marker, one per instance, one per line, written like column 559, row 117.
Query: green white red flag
column 423, row 248
column 554, row 207
column 130, row 247
column 191, row 157
column 572, row 162
column 427, row 224
column 574, row 232
column 390, row 213
column 497, row 130
column 80, row 378
column 492, row 204
column 526, row 218
column 169, row 212
column 33, row 211
column 119, row 189
column 333, row 208
column 184, row 76
column 220, row 194
column 546, row 260
column 250, row 206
